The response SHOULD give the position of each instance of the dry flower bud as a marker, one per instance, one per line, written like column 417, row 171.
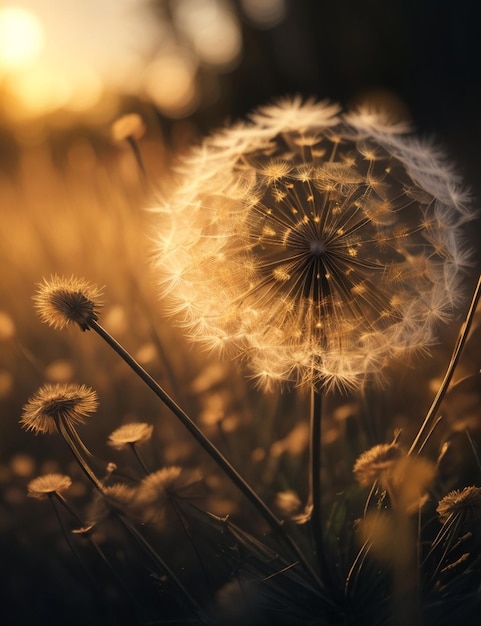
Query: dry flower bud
column 133, row 433
column 465, row 502
column 61, row 302
column 377, row 464
column 56, row 403
column 44, row 486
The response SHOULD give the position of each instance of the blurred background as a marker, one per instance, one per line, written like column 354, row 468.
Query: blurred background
column 73, row 200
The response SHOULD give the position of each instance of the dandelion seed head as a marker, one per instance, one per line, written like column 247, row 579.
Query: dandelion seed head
column 44, row 486
column 61, row 302
column 298, row 235
column 377, row 464
column 118, row 497
column 156, row 491
column 54, row 403
column 463, row 502
column 133, row 433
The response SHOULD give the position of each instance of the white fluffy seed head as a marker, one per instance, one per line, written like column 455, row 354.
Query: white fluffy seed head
column 314, row 244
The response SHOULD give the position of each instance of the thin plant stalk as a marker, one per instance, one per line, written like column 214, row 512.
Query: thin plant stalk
column 458, row 348
column 207, row 445
column 157, row 559
column 97, row 549
column 139, row 458
column 134, row 146
column 315, row 495
column 70, row 542
column 70, row 436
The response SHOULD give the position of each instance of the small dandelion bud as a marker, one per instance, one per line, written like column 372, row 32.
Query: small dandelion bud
column 47, row 485
column 128, row 126
column 377, row 464
column 61, row 302
column 51, row 404
column 129, row 434
column 466, row 503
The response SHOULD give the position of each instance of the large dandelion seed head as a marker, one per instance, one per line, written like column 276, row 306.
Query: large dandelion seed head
column 314, row 244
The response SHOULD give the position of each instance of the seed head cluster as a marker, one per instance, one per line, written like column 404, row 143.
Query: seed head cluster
column 317, row 245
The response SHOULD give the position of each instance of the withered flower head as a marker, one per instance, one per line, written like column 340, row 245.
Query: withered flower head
column 463, row 502
column 314, row 244
column 133, row 433
column 114, row 498
column 53, row 403
column 44, row 486
column 61, row 302
column 158, row 488
column 377, row 464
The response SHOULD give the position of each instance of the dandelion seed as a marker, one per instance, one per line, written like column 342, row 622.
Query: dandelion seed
column 47, row 485
column 134, row 433
column 61, row 302
column 377, row 464
column 315, row 246
column 67, row 403
column 465, row 503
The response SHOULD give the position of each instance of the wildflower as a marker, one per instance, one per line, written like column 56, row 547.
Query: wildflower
column 377, row 464
column 47, row 485
column 465, row 503
column 134, row 433
column 128, row 126
column 61, row 302
column 54, row 403
column 317, row 246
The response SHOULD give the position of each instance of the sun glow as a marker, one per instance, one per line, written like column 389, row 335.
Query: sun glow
column 21, row 37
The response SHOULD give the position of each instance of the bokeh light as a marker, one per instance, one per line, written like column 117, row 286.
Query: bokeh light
column 212, row 29
column 265, row 13
column 21, row 37
column 170, row 82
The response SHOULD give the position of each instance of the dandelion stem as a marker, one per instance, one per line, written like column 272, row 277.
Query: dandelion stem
column 207, row 445
column 315, row 476
column 97, row 548
column 138, row 156
column 458, row 348
column 315, row 464
column 139, row 458
column 72, row 547
column 69, row 435
column 157, row 559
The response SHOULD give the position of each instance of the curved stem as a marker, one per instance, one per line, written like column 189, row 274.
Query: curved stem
column 69, row 435
column 207, row 445
column 458, row 348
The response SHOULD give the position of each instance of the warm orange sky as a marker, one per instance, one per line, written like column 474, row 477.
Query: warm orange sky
column 65, row 53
